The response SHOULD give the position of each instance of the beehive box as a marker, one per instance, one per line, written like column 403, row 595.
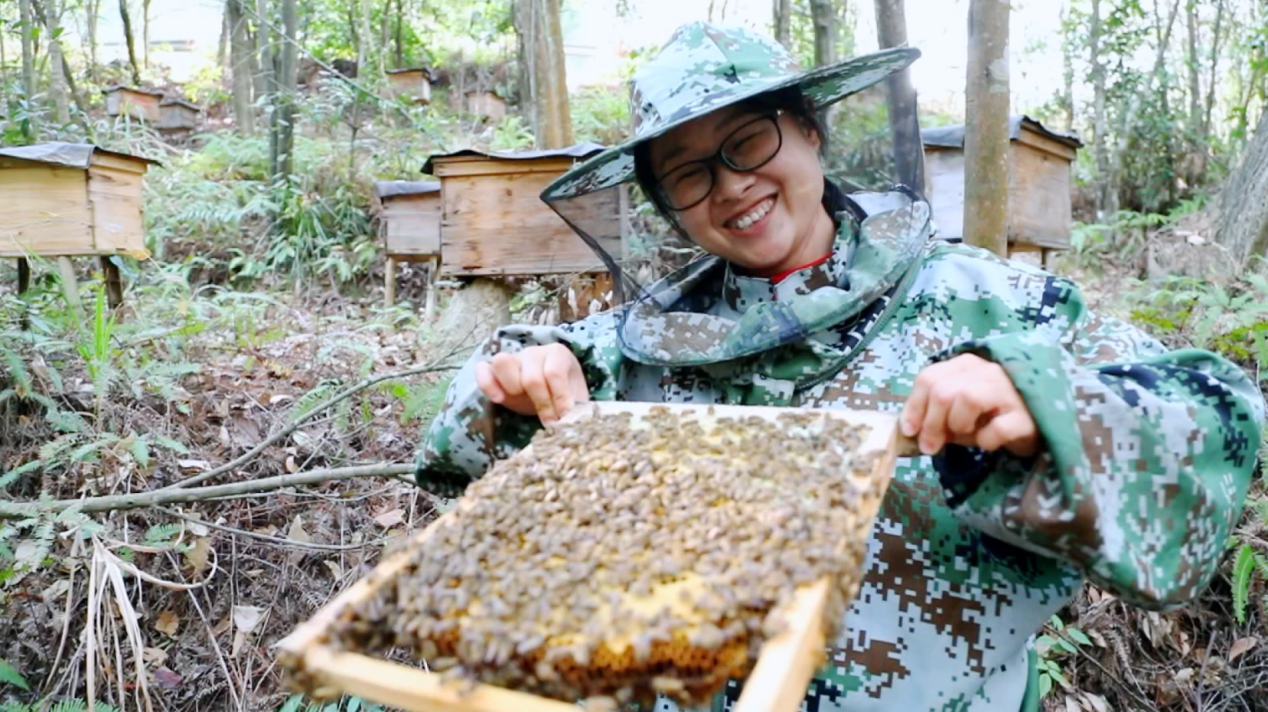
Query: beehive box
column 178, row 116
column 494, row 223
column 409, row 222
column 137, row 103
column 65, row 199
column 730, row 566
column 484, row 103
column 1039, row 184
column 413, row 85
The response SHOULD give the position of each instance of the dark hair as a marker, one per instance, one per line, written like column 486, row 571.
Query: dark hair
column 789, row 99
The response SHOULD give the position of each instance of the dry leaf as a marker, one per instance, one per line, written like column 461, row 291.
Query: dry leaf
column 390, row 518
column 290, row 465
column 222, row 626
column 167, row 679
column 197, row 529
column 1072, row 704
column 296, row 531
column 246, row 618
column 1185, row 676
column 168, row 622
column 154, row 656
column 1242, row 646
column 239, row 639
column 194, row 464
column 197, row 555
column 1095, row 703
column 335, row 570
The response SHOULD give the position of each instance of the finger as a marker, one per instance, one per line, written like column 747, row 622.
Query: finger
column 914, row 411
column 506, row 370
column 488, row 383
column 533, row 379
column 580, row 390
column 966, row 411
column 558, row 367
column 933, row 430
column 1014, row 429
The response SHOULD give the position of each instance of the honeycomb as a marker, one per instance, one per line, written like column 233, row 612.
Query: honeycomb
column 618, row 558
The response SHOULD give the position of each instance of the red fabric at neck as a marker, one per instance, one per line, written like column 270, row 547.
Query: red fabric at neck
column 784, row 275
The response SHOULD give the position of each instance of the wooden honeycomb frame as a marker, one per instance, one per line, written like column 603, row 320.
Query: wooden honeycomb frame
column 777, row 683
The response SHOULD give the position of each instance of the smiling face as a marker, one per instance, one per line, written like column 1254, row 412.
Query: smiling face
column 768, row 220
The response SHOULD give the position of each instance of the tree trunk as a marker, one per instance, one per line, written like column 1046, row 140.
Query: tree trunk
column 1192, row 68
column 541, row 41
column 1216, row 42
column 474, row 313
column 1099, row 128
column 1243, row 225
column 94, row 12
column 129, row 39
column 400, row 36
column 145, row 33
column 783, row 22
column 240, row 69
column 263, row 61
column 986, row 140
column 904, row 122
column 4, row 79
column 61, row 81
column 28, row 53
column 823, row 15
column 284, row 99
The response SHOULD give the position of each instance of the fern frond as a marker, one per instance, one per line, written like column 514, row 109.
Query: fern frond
column 161, row 533
column 1243, row 567
column 9, row 675
column 7, row 478
column 140, row 450
column 311, row 400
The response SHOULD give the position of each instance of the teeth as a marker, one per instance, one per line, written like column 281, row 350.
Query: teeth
column 757, row 214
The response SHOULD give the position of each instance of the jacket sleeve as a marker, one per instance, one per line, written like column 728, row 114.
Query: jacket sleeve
column 471, row 432
column 1148, row 456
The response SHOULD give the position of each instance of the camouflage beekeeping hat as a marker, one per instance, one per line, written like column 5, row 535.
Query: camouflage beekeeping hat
column 704, row 68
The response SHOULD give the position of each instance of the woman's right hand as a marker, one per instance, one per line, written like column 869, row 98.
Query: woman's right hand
column 545, row 381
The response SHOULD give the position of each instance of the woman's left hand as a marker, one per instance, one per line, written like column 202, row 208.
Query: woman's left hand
column 969, row 401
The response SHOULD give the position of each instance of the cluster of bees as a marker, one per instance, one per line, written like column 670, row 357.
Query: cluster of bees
column 618, row 558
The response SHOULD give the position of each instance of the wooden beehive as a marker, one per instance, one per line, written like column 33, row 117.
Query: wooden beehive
column 64, row 199
column 1039, row 183
column 178, row 116
column 486, row 104
column 413, row 85
column 776, row 683
column 138, row 103
column 409, row 222
column 494, row 223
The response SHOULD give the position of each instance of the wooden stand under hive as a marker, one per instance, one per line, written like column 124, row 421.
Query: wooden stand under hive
column 63, row 200
column 633, row 550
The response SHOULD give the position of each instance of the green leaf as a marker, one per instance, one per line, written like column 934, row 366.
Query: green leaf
column 1079, row 636
column 11, row 676
column 1045, row 685
column 292, row 704
column 140, row 450
column 1243, row 567
column 1055, row 622
column 1066, row 645
column 175, row 446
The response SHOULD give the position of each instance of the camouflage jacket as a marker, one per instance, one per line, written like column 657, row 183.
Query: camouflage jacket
column 1149, row 452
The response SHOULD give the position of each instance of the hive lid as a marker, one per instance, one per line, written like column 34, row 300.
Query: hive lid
column 580, row 150
column 120, row 87
column 181, row 102
column 431, row 73
column 75, row 155
column 953, row 136
column 392, row 188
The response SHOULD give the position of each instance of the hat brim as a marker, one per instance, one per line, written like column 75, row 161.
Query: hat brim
column 823, row 85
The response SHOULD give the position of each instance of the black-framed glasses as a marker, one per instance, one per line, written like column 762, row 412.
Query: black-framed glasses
column 747, row 148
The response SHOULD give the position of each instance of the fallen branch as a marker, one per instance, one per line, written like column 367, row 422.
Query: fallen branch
column 274, row 539
column 21, row 510
column 254, row 452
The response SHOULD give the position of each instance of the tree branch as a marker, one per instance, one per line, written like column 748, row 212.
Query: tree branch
column 20, row 510
column 298, row 422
